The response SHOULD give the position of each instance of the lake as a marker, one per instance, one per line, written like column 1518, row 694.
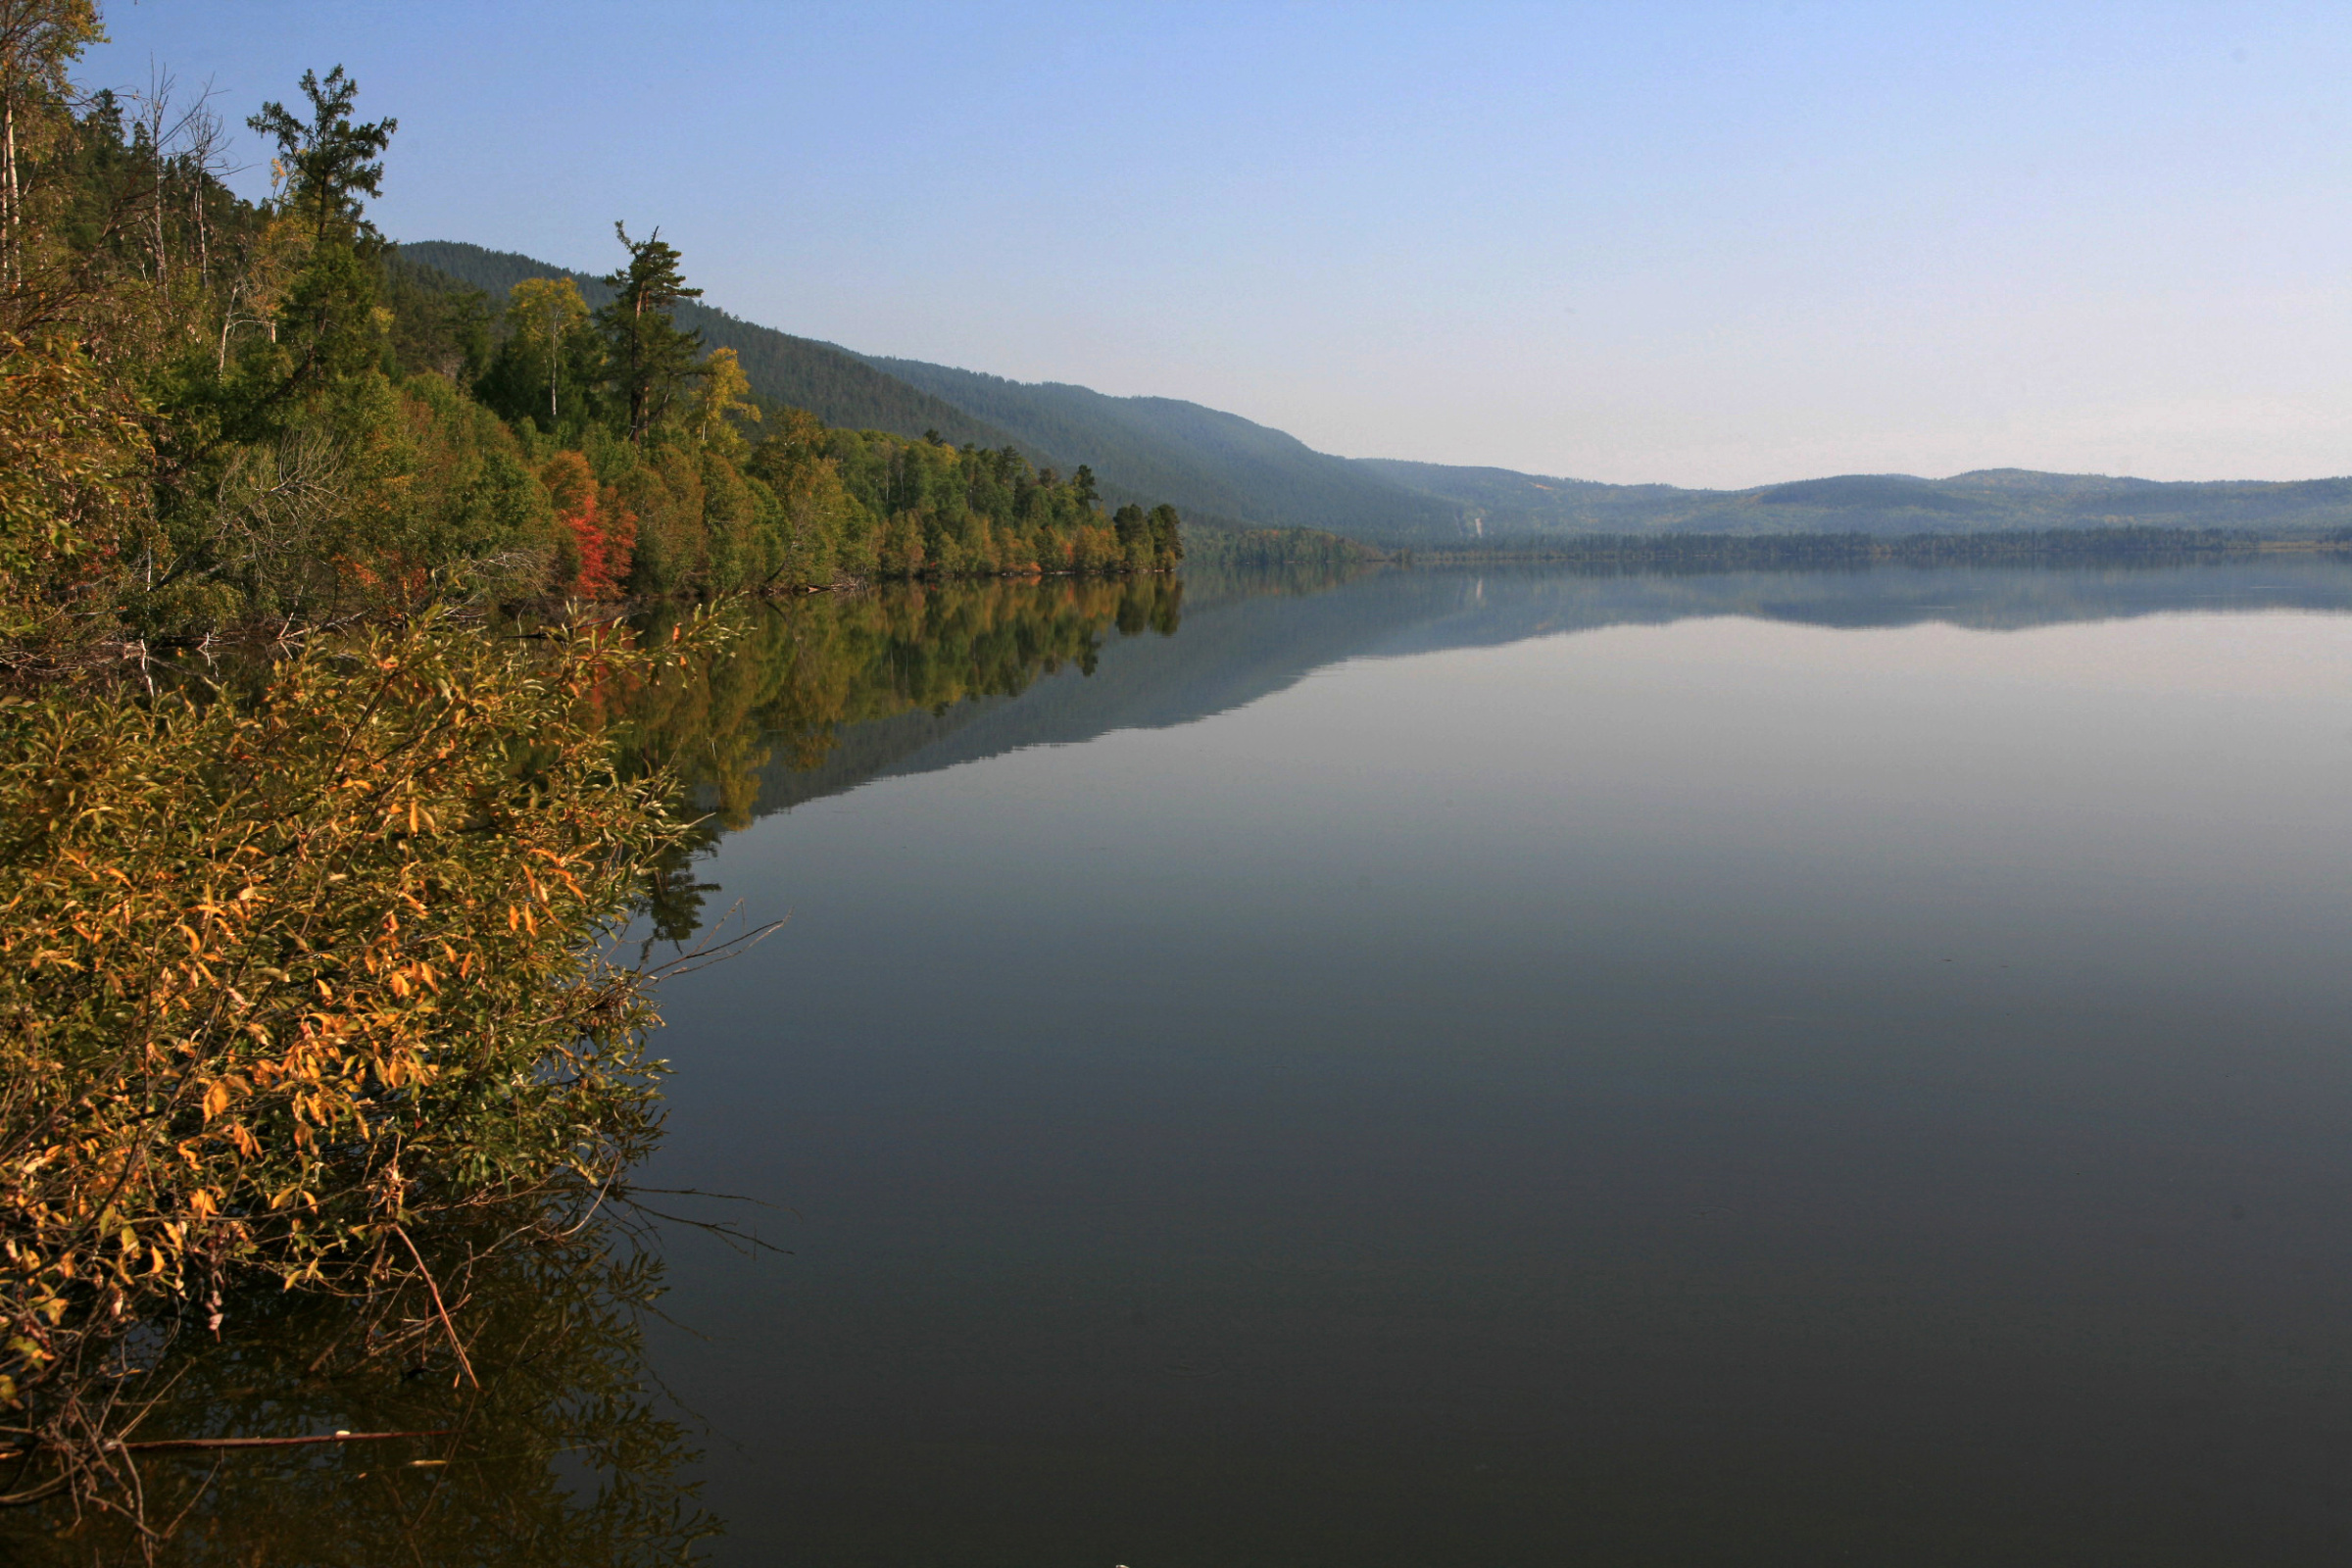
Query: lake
column 1476, row 1069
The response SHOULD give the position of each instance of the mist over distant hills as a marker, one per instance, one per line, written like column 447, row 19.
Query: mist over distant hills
column 1224, row 470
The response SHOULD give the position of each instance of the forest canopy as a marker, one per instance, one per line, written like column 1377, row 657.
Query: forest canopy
column 308, row 426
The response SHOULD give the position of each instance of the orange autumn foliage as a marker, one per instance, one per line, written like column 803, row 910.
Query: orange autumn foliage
column 286, row 976
column 600, row 533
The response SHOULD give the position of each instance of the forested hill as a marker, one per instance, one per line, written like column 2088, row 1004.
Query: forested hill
column 832, row 383
column 1217, row 469
column 1210, row 464
column 1220, row 469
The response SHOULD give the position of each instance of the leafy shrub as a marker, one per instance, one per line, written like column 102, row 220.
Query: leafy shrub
column 283, row 975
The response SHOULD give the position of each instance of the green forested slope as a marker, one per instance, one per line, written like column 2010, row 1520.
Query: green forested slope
column 835, row 385
column 1222, row 470
column 1209, row 464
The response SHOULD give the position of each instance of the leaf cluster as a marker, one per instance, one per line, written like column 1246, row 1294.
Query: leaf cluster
column 285, row 976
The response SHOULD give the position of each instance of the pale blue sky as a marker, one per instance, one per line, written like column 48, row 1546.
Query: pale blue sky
column 1698, row 244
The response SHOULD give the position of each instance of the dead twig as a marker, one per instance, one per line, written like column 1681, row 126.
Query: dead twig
column 456, row 1343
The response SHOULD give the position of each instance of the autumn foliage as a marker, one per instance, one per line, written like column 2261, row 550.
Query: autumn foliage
column 285, row 976
column 306, row 974
column 71, row 451
column 600, row 533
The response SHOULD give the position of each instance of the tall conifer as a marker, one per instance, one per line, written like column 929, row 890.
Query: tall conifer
column 651, row 356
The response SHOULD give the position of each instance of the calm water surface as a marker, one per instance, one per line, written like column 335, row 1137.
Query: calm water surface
column 1535, row 1068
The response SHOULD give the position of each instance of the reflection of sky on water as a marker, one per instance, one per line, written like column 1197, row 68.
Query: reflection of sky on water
column 1717, row 1086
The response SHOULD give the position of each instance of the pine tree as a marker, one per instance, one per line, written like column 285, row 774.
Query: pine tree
column 330, row 161
column 1167, row 534
column 651, row 356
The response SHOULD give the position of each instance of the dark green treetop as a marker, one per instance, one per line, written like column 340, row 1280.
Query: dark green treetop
column 652, row 357
column 332, row 160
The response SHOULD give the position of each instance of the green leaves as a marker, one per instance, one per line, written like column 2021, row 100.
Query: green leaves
column 649, row 357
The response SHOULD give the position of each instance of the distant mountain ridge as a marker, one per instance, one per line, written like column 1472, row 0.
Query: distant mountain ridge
column 1221, row 470
column 1499, row 504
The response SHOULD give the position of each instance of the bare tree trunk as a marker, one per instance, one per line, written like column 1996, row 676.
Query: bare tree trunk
column 9, row 197
column 158, row 99
column 201, row 129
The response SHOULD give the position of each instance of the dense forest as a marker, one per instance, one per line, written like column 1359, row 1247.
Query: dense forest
column 832, row 383
column 1227, row 475
column 321, row 430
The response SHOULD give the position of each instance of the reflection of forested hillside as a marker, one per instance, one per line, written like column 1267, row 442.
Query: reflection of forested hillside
column 818, row 695
column 814, row 695
column 1236, row 650
column 1510, row 603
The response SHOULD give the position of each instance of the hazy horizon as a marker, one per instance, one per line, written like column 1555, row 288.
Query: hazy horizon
column 1706, row 246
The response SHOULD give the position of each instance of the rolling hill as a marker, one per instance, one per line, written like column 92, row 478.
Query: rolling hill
column 1209, row 464
column 1496, row 505
column 832, row 383
column 1224, row 470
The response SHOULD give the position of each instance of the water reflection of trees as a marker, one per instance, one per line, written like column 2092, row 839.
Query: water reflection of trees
column 544, row 1446
column 795, row 674
column 536, row 1442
